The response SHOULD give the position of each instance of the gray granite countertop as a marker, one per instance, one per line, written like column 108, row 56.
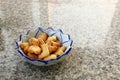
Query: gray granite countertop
column 94, row 26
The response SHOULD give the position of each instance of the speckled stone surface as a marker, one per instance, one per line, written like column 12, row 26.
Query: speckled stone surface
column 93, row 25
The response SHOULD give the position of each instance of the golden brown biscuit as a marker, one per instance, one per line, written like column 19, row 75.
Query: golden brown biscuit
column 31, row 55
column 41, row 41
column 52, row 56
column 49, row 43
column 60, row 51
column 23, row 45
column 43, row 36
column 34, row 49
column 45, row 51
column 25, row 50
column 57, row 43
column 63, row 48
column 33, row 41
column 52, row 48
column 51, row 38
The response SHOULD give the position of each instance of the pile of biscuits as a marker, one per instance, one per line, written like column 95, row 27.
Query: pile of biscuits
column 43, row 47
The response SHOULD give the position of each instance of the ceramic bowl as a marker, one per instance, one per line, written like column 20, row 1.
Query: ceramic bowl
column 63, row 38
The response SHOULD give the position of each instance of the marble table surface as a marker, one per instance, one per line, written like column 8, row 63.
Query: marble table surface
column 94, row 26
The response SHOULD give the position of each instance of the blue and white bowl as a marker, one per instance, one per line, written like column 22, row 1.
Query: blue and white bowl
column 63, row 38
